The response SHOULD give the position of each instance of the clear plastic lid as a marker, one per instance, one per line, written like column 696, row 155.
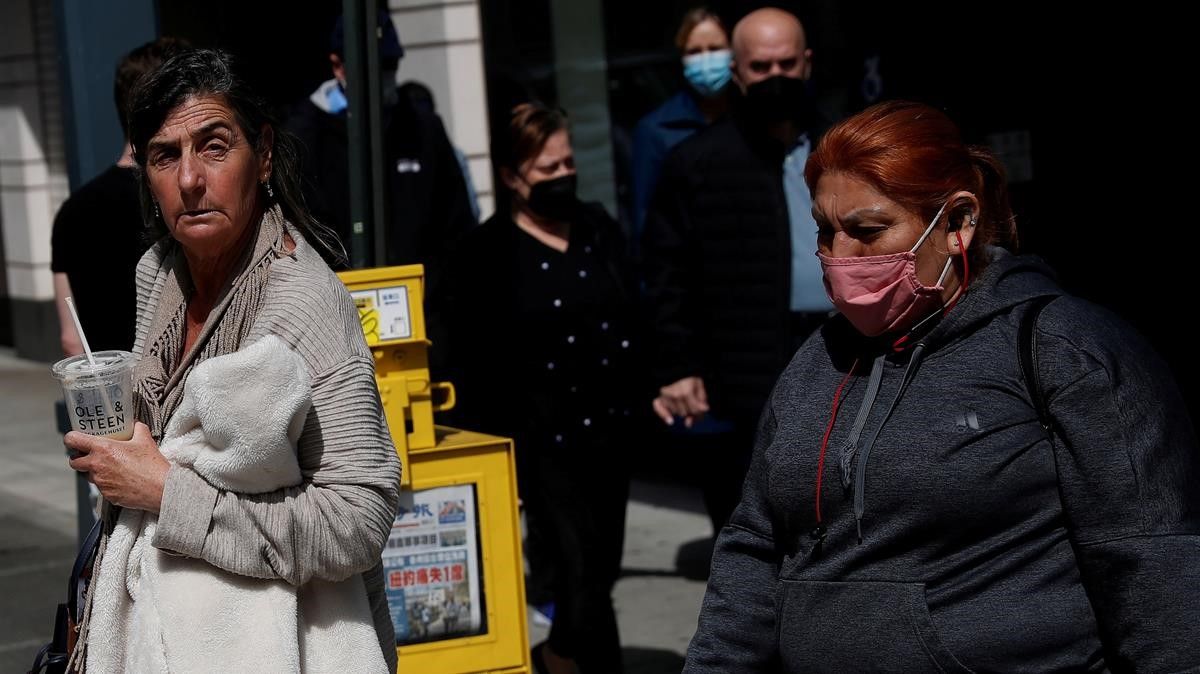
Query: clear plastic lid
column 107, row 363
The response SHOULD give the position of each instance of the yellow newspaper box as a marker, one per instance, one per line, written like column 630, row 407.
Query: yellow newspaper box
column 453, row 572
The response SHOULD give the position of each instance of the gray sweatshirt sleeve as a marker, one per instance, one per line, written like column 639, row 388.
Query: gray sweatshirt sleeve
column 1129, row 473
column 331, row 526
column 737, row 632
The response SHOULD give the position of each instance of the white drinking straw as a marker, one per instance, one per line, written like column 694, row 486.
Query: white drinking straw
column 88, row 350
column 79, row 330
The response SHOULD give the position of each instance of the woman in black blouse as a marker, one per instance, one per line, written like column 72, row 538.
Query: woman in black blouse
column 544, row 341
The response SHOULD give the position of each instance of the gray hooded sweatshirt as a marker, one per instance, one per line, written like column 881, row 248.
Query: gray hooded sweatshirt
column 959, row 535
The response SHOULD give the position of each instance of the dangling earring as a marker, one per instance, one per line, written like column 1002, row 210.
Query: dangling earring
column 157, row 214
column 974, row 220
column 270, row 192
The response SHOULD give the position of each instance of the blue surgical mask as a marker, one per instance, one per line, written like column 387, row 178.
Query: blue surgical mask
column 336, row 98
column 708, row 72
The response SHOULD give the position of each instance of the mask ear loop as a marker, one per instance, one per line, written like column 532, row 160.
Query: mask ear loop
column 901, row 344
column 929, row 229
column 966, row 280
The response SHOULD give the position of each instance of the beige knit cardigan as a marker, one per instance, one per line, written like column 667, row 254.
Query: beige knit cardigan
column 337, row 521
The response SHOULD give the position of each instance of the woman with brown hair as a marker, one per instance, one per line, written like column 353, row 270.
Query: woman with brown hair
column 251, row 506
column 703, row 44
column 544, row 331
column 967, row 470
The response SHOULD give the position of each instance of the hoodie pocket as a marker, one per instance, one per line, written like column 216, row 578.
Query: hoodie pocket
column 860, row 627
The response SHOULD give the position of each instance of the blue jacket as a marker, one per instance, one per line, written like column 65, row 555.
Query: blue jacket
column 653, row 137
column 960, row 536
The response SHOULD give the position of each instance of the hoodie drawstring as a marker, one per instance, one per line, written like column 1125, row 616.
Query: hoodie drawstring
column 860, row 421
column 819, row 531
column 860, row 477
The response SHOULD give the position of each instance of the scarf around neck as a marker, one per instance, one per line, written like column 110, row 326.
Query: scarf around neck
column 161, row 371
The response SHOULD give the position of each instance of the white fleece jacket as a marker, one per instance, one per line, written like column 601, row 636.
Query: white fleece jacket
column 237, row 428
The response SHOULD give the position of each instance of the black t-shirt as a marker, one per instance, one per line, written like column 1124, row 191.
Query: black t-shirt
column 97, row 241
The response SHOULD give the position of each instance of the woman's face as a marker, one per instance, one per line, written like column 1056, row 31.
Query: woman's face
column 706, row 36
column 205, row 176
column 554, row 161
column 855, row 220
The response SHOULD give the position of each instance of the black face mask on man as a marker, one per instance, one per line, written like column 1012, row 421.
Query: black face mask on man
column 780, row 99
column 554, row 199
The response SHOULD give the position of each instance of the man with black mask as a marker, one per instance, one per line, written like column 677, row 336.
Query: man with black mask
column 731, row 271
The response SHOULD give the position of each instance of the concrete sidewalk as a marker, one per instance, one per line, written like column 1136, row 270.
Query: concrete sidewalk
column 657, row 604
column 37, row 511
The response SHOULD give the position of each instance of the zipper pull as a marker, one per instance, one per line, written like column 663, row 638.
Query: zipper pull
column 818, row 535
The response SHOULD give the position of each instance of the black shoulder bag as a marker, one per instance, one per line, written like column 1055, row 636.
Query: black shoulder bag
column 53, row 657
column 1027, row 357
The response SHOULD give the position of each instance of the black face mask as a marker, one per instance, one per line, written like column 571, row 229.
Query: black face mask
column 554, row 199
column 780, row 99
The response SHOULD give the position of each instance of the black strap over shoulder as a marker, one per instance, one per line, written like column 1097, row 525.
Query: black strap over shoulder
column 81, row 570
column 1027, row 356
column 54, row 656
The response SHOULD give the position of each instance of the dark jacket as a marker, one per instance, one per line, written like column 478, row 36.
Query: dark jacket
column 654, row 136
column 499, row 367
column 426, row 204
column 985, row 545
column 718, row 267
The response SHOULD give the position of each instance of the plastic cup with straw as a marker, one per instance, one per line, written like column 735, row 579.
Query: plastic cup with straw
column 97, row 388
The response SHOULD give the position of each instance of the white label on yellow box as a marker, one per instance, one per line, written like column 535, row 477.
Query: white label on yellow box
column 384, row 313
column 394, row 319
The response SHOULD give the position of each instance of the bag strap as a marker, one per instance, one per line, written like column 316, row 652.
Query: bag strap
column 46, row 661
column 55, row 656
column 1027, row 357
column 83, row 564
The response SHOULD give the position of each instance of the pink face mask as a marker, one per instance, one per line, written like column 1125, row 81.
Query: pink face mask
column 880, row 294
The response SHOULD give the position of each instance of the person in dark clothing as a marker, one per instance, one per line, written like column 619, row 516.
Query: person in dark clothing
column 545, row 330
column 730, row 268
column 704, row 48
column 426, row 206
column 98, row 236
column 967, row 469
column 96, row 242
column 421, row 97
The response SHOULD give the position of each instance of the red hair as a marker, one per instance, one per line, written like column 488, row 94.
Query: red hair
column 915, row 156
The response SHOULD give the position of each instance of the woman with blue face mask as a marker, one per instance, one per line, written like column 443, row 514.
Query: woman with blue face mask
column 703, row 45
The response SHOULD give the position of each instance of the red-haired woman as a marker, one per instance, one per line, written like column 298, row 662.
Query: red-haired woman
column 967, row 470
